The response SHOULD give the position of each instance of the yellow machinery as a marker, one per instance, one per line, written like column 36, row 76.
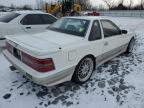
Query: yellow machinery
column 64, row 8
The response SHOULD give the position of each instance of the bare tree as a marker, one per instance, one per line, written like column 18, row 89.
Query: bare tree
column 142, row 4
column 109, row 3
column 27, row 7
column 131, row 4
column 40, row 4
column 12, row 6
column 121, row 2
column 85, row 4
column 101, row 7
column 1, row 6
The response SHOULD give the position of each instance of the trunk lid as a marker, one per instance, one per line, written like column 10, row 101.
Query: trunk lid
column 45, row 42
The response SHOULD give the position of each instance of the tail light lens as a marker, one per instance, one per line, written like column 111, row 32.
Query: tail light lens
column 9, row 47
column 40, row 65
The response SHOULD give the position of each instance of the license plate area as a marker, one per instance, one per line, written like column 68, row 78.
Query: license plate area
column 17, row 53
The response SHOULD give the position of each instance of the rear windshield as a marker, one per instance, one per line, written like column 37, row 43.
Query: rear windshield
column 77, row 27
column 8, row 17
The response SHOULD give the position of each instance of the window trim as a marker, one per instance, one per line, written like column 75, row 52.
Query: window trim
column 41, row 15
column 112, row 24
column 91, row 30
column 31, row 24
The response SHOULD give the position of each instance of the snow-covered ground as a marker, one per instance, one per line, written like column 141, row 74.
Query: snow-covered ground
column 118, row 83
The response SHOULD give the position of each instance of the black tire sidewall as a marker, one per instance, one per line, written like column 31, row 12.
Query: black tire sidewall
column 129, row 45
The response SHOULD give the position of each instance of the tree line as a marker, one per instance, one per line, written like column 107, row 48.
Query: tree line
column 13, row 7
column 86, row 5
column 112, row 5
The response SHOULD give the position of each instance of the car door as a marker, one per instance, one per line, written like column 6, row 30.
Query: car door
column 33, row 23
column 96, row 40
column 113, row 39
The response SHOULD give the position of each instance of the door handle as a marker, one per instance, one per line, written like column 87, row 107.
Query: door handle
column 106, row 43
column 28, row 27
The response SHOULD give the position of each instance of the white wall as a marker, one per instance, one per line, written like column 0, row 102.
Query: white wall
column 123, row 13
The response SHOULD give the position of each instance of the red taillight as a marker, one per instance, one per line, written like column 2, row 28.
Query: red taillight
column 9, row 47
column 40, row 65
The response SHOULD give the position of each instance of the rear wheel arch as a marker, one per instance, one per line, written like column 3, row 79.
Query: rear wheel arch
column 91, row 56
column 75, row 76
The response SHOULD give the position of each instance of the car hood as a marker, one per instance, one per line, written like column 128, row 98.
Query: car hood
column 46, row 42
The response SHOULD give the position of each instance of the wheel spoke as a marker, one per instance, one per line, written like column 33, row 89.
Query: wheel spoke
column 85, row 69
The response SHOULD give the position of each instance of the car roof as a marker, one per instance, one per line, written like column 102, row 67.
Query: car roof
column 89, row 17
column 29, row 12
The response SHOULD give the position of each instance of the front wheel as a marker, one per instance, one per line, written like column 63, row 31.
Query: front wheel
column 130, row 46
column 83, row 70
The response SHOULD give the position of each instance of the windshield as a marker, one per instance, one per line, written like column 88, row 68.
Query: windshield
column 8, row 17
column 77, row 27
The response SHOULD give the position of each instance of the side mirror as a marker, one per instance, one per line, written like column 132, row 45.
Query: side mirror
column 124, row 31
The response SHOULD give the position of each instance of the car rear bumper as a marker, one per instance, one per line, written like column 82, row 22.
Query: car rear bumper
column 53, row 78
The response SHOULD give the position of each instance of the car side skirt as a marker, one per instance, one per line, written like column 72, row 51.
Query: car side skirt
column 111, row 54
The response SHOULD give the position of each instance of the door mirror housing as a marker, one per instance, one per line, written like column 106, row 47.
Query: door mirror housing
column 124, row 31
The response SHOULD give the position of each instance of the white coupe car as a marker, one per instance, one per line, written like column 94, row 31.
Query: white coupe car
column 70, row 49
column 24, row 22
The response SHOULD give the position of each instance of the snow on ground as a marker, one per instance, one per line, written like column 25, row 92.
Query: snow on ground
column 116, row 84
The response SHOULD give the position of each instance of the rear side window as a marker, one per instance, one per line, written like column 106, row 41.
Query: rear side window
column 9, row 17
column 95, row 33
column 48, row 19
column 32, row 19
column 109, row 28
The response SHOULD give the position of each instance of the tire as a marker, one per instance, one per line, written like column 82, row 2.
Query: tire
column 12, row 68
column 83, row 70
column 130, row 46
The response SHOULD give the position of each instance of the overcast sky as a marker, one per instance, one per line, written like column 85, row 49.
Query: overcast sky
column 17, row 2
column 33, row 2
column 126, row 2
